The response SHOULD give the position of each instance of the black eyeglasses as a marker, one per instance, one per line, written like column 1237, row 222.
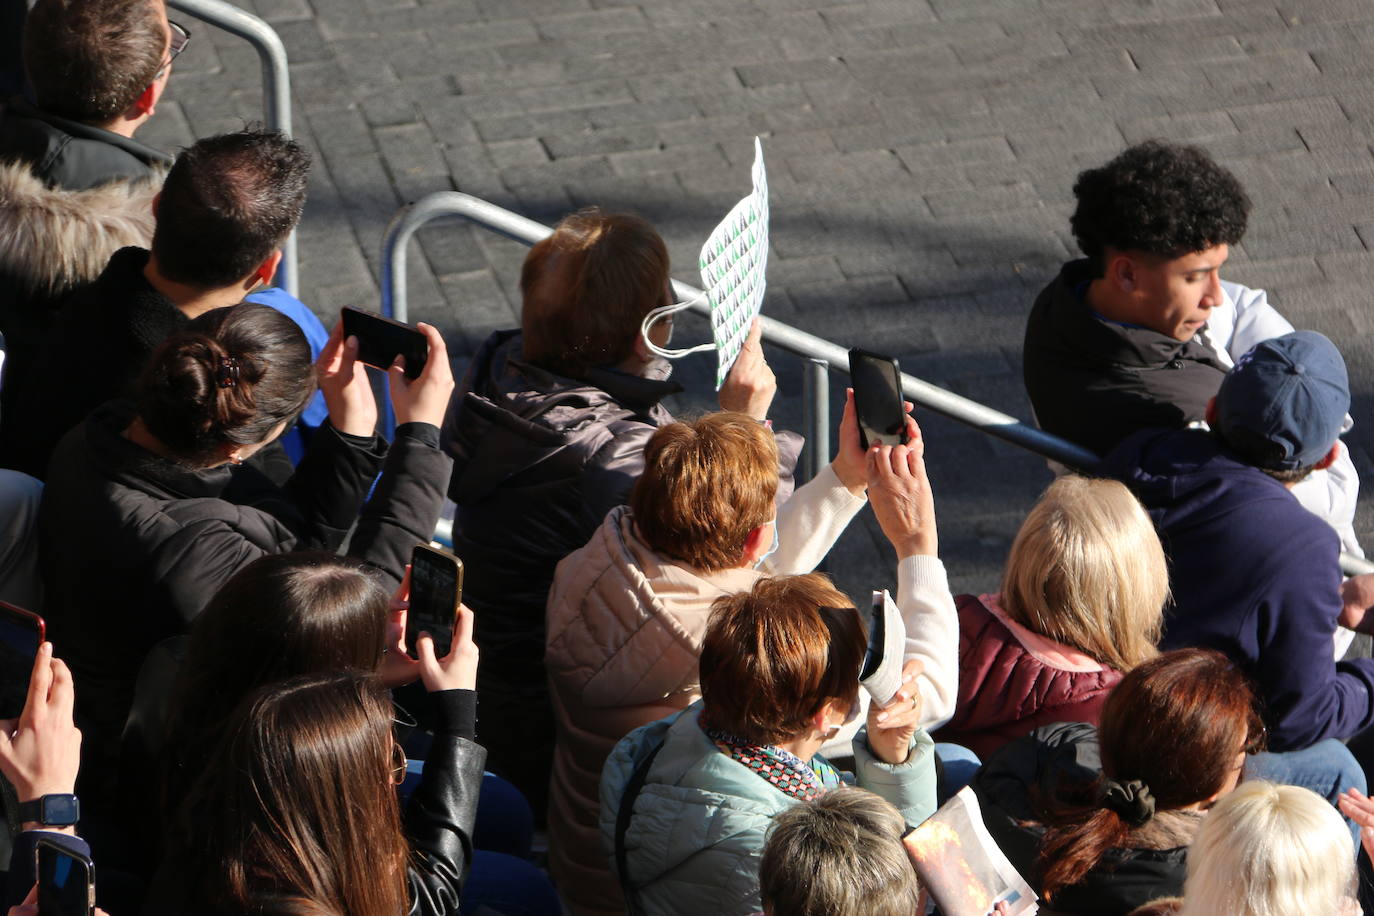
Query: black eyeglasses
column 181, row 37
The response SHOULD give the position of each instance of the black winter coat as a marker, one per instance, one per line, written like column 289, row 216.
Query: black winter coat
column 539, row 459
column 96, row 350
column 70, row 155
column 134, row 546
column 1024, row 775
column 1095, row 382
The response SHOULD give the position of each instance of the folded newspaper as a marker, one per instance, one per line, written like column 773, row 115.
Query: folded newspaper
column 960, row 866
column 881, row 674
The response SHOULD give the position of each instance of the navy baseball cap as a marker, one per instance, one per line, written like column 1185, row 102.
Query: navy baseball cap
column 1283, row 404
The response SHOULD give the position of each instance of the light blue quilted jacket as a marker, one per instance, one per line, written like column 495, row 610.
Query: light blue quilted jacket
column 694, row 843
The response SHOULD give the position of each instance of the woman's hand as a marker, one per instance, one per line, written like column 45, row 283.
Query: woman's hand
column 851, row 462
column 890, row 729
column 425, row 399
column 905, row 707
column 458, row 669
column 40, row 752
column 750, row 385
column 398, row 668
column 899, row 491
column 343, row 382
column 1359, row 807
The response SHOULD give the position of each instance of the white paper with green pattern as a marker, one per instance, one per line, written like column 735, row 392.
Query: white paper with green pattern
column 733, row 265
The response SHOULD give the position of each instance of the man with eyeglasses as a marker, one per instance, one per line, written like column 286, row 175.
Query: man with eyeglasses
column 71, row 173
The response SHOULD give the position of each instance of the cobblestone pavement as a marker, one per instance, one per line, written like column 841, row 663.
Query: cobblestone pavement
column 920, row 156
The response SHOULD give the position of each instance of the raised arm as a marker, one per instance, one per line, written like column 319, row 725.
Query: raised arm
column 904, row 505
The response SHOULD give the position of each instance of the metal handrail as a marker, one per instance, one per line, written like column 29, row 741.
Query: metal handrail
column 276, row 88
column 817, row 350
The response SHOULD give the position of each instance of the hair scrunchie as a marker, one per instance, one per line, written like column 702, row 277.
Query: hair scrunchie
column 1131, row 800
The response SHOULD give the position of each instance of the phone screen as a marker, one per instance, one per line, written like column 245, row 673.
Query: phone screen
column 877, row 398
column 381, row 340
column 21, row 633
column 436, row 587
column 66, row 881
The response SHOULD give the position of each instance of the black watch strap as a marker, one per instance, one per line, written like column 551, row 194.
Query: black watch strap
column 51, row 810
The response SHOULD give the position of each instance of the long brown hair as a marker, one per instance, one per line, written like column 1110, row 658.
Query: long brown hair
column 1176, row 723
column 280, row 616
column 298, row 804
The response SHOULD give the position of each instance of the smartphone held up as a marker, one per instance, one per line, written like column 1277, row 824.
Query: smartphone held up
column 436, row 589
column 381, row 340
column 21, row 633
column 878, row 400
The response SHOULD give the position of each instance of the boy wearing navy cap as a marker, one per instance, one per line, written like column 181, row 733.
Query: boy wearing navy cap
column 1252, row 572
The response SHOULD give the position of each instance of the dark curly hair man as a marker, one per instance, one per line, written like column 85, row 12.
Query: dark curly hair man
column 1158, row 199
column 1138, row 333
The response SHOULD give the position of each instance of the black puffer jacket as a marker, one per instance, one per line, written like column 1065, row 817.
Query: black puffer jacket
column 539, row 459
column 1095, row 382
column 134, row 545
column 1019, row 779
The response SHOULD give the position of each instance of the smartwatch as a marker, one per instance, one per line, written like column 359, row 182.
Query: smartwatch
column 51, row 810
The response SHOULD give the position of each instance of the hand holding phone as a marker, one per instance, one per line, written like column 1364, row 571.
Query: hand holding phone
column 41, row 751
column 66, row 880
column 436, row 590
column 458, row 669
column 381, row 340
column 878, row 400
column 21, row 633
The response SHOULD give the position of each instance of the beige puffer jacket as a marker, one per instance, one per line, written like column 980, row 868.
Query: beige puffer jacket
column 624, row 632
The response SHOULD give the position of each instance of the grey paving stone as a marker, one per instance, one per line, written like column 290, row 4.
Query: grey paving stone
column 921, row 155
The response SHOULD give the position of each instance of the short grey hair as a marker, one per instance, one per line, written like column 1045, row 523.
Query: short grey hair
column 841, row 855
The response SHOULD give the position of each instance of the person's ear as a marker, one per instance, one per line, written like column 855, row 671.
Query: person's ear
column 146, row 103
column 1210, row 414
column 266, row 271
column 1122, row 272
column 1330, row 458
column 157, row 199
column 642, row 351
column 756, row 543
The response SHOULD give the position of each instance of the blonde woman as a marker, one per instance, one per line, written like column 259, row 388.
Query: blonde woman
column 1081, row 604
column 1267, row 850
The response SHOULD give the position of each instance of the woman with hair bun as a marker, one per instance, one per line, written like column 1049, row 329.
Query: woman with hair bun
column 1099, row 820
column 148, row 510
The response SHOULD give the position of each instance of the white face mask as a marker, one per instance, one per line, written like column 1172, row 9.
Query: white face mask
column 771, row 550
column 657, row 315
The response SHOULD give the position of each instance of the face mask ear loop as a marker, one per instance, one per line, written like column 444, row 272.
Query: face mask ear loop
column 654, row 317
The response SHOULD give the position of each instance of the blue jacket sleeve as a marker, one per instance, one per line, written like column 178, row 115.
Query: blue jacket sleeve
column 1308, row 696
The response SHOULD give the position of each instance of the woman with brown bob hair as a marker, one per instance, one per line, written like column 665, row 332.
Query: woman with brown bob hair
column 628, row 612
column 549, row 427
column 686, row 802
column 1100, row 819
column 298, row 808
column 1082, row 602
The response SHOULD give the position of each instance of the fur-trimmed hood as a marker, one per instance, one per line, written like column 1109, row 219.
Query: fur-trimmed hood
column 52, row 240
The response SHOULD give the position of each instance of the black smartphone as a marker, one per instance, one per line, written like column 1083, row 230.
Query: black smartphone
column 66, row 880
column 877, row 385
column 436, row 588
column 21, row 633
column 381, row 340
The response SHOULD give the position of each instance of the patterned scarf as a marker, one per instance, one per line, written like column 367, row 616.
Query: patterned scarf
column 783, row 770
